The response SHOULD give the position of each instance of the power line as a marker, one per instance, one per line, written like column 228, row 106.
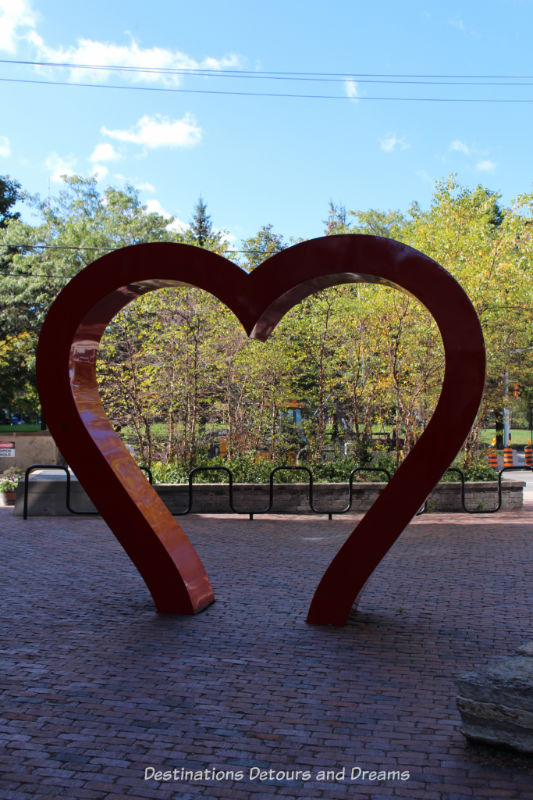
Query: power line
column 235, row 93
column 78, row 248
column 27, row 246
column 486, row 80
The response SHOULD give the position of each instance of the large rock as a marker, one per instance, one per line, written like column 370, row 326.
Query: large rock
column 525, row 649
column 496, row 701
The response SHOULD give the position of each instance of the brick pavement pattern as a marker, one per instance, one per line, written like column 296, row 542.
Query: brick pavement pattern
column 97, row 687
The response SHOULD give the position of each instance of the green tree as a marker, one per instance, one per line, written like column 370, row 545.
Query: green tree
column 488, row 250
column 72, row 230
column 15, row 360
column 201, row 231
column 389, row 224
column 10, row 193
column 263, row 245
column 337, row 221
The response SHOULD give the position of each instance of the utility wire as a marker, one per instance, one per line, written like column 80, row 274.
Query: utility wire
column 485, row 80
column 344, row 97
column 25, row 246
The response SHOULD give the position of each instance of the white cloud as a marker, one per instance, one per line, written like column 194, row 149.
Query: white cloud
column 391, row 142
column 352, row 89
column 16, row 16
column 5, row 147
column 177, row 225
column 145, row 187
column 100, row 171
column 104, row 152
column 107, row 54
column 459, row 24
column 229, row 238
column 159, row 131
column 486, row 165
column 58, row 166
column 154, row 207
column 460, row 147
column 477, row 155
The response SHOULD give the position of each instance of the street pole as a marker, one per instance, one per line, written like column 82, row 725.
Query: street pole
column 506, row 415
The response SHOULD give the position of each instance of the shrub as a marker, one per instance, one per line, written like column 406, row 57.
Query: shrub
column 9, row 479
column 474, row 470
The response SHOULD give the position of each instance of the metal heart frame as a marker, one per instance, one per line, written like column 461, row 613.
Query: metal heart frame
column 155, row 542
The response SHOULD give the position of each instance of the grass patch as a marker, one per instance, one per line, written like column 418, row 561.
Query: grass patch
column 519, row 436
column 26, row 427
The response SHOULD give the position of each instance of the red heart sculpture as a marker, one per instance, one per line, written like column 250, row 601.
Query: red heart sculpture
column 66, row 376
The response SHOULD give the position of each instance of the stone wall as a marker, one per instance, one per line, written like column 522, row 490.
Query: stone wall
column 48, row 497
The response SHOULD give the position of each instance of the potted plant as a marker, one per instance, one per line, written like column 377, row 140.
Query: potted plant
column 9, row 480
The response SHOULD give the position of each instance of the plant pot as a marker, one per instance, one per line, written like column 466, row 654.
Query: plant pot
column 8, row 498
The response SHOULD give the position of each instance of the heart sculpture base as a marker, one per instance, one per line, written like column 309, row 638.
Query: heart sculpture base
column 66, row 376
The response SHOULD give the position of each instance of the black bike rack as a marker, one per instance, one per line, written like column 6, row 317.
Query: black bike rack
column 463, row 490
column 289, row 467
column 353, row 473
column 66, row 470
column 253, row 512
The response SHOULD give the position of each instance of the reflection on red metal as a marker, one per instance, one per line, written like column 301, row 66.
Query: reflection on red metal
column 163, row 555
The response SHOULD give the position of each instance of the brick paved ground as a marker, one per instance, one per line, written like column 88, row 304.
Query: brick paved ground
column 98, row 687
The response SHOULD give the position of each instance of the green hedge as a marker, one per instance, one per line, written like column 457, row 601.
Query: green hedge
column 246, row 470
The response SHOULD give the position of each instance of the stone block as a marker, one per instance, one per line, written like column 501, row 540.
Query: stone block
column 525, row 649
column 496, row 702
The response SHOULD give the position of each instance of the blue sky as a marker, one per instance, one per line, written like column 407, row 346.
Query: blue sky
column 258, row 160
